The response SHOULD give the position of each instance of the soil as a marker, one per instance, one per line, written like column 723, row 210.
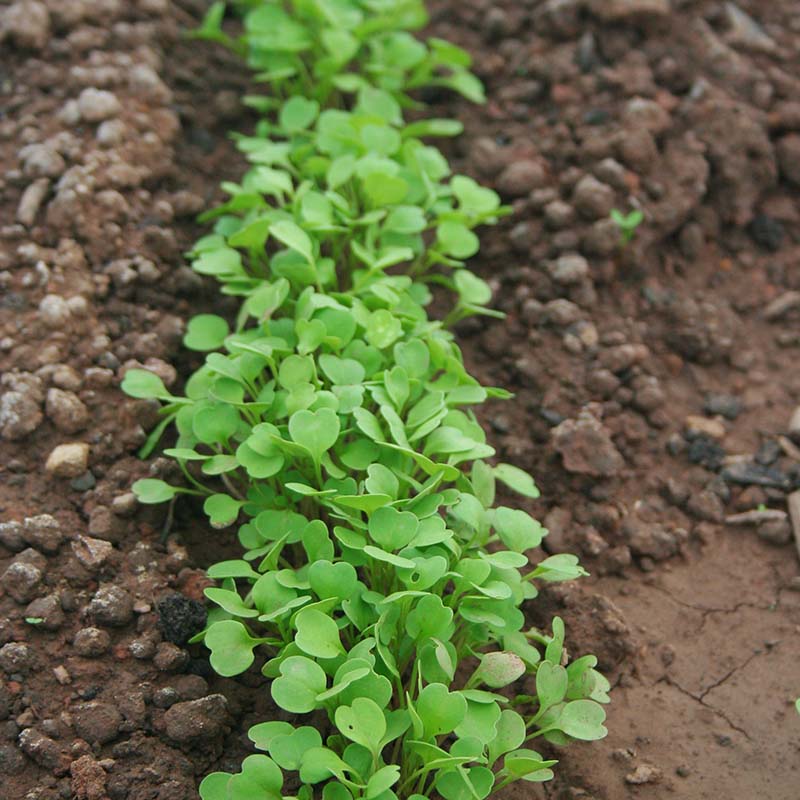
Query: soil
column 654, row 381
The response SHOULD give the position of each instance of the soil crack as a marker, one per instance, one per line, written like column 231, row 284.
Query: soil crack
column 701, row 696
column 707, row 611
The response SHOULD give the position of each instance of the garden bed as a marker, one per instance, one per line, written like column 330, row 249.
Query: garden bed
column 637, row 371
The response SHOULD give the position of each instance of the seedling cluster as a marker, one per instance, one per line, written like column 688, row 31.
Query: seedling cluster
column 380, row 584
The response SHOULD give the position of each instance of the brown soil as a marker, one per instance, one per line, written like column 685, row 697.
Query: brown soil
column 685, row 110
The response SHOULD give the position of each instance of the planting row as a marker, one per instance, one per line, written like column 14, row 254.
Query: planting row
column 380, row 585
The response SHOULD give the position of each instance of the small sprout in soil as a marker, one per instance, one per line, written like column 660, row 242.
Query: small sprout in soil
column 627, row 223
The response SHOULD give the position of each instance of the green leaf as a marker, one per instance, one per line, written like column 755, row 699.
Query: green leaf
column 288, row 749
column 518, row 529
column 231, row 647
column 262, row 735
column 433, row 127
column 440, row 710
column 317, row 634
column 551, row 684
column 260, row 777
column 406, row 219
column 583, row 719
column 206, row 332
column 319, row 764
column 457, row 240
column 143, row 384
column 300, row 681
column 480, row 721
column 341, row 371
column 230, row 601
column 298, row 113
column 317, row 431
column 474, row 783
column 471, row 289
column 516, row 479
column 231, row 569
column 222, row 510
column 381, row 781
column 362, row 722
column 215, row 785
column 528, row 765
column 383, row 329
column 294, row 237
column 561, row 567
column 152, row 491
column 388, row 558
column 384, row 190
column 430, row 619
column 511, row 732
column 499, row 669
column 332, row 580
column 393, row 529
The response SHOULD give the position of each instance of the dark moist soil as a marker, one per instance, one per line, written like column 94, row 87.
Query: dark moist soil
column 654, row 382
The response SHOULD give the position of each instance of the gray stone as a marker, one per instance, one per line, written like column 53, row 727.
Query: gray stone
column 92, row 553
column 649, row 539
column 170, row 658
column 745, row 32
column 629, row 10
column 44, row 751
column 48, row 610
column 66, row 410
column 521, row 178
column 96, row 722
column 31, row 201
column 197, row 719
column 592, row 198
column 42, row 161
column 27, row 24
column 111, row 606
column 91, row 642
column 646, row 114
column 96, row 105
column 43, row 532
column 68, row 460
column 569, row 268
column 11, row 535
column 15, row 657
column 54, row 311
column 586, row 447
column 21, row 581
column 562, row 312
column 777, row 532
column 20, row 415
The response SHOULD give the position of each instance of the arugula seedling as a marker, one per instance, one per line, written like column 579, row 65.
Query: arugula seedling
column 379, row 583
column 627, row 223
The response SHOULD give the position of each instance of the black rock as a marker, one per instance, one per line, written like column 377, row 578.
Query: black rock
column 726, row 405
column 767, row 232
column 750, row 473
column 769, row 452
column 552, row 418
column 179, row 618
column 705, row 451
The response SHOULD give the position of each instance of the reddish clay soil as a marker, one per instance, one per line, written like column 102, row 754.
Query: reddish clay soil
column 654, row 382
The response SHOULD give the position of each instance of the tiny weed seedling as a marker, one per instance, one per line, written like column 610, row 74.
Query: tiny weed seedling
column 381, row 587
column 627, row 223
